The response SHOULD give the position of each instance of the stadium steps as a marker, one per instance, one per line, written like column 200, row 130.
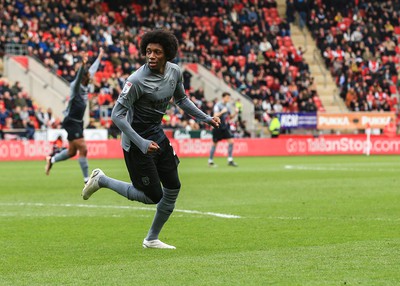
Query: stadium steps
column 326, row 86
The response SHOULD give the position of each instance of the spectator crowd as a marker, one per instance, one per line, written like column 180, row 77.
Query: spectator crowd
column 245, row 43
column 359, row 42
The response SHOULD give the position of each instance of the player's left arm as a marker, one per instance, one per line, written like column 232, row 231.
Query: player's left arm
column 189, row 107
column 233, row 111
column 95, row 66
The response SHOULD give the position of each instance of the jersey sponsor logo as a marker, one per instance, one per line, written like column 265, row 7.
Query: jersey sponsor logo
column 127, row 87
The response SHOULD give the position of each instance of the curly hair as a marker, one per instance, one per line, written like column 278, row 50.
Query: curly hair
column 163, row 37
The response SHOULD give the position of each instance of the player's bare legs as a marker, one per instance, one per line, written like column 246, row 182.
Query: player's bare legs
column 83, row 162
column 74, row 146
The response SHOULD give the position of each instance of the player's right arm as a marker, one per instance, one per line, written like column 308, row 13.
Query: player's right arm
column 95, row 66
column 218, row 111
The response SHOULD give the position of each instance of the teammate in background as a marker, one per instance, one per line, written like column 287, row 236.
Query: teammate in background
column 73, row 121
column 149, row 157
column 223, row 110
column 58, row 146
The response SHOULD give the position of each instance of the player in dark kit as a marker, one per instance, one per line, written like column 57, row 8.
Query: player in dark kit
column 73, row 120
column 223, row 110
column 149, row 157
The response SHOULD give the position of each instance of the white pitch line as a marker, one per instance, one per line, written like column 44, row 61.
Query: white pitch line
column 119, row 207
column 321, row 168
column 316, row 168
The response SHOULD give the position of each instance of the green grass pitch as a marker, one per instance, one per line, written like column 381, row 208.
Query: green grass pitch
column 330, row 220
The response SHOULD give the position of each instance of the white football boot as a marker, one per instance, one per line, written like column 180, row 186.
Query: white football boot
column 93, row 184
column 156, row 243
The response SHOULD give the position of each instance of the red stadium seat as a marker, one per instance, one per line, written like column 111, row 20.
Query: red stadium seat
column 273, row 12
column 231, row 60
column 334, row 31
column 279, row 40
column 287, row 41
column 197, row 20
column 270, row 54
column 317, row 102
column 214, row 20
column 246, row 30
column 270, row 80
column 241, row 60
column 393, row 89
column 294, row 70
column 214, row 40
column 278, row 21
column 347, row 22
column 283, row 51
column 118, row 18
column 205, row 21
column 137, row 8
column 104, row 7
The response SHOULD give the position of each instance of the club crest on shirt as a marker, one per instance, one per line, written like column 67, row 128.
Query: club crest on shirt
column 172, row 84
column 127, row 87
column 146, row 181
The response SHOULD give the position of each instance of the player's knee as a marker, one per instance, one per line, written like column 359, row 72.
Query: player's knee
column 83, row 152
column 154, row 193
column 72, row 153
column 172, row 183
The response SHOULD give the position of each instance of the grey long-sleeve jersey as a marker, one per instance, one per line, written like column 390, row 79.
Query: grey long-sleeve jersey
column 142, row 104
column 79, row 94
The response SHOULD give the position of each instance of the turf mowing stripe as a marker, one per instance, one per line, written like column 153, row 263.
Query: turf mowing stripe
column 119, row 207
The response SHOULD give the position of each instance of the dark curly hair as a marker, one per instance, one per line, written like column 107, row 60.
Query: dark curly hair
column 163, row 37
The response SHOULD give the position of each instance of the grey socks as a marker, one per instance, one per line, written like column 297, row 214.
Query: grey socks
column 164, row 210
column 230, row 152
column 63, row 155
column 126, row 190
column 83, row 162
column 212, row 151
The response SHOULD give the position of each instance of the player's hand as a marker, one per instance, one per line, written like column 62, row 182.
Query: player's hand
column 153, row 147
column 85, row 57
column 101, row 52
column 215, row 122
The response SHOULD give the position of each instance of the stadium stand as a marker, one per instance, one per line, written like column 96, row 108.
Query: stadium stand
column 19, row 114
column 246, row 43
column 359, row 41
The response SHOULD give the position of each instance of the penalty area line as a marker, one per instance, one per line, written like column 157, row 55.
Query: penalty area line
column 220, row 215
